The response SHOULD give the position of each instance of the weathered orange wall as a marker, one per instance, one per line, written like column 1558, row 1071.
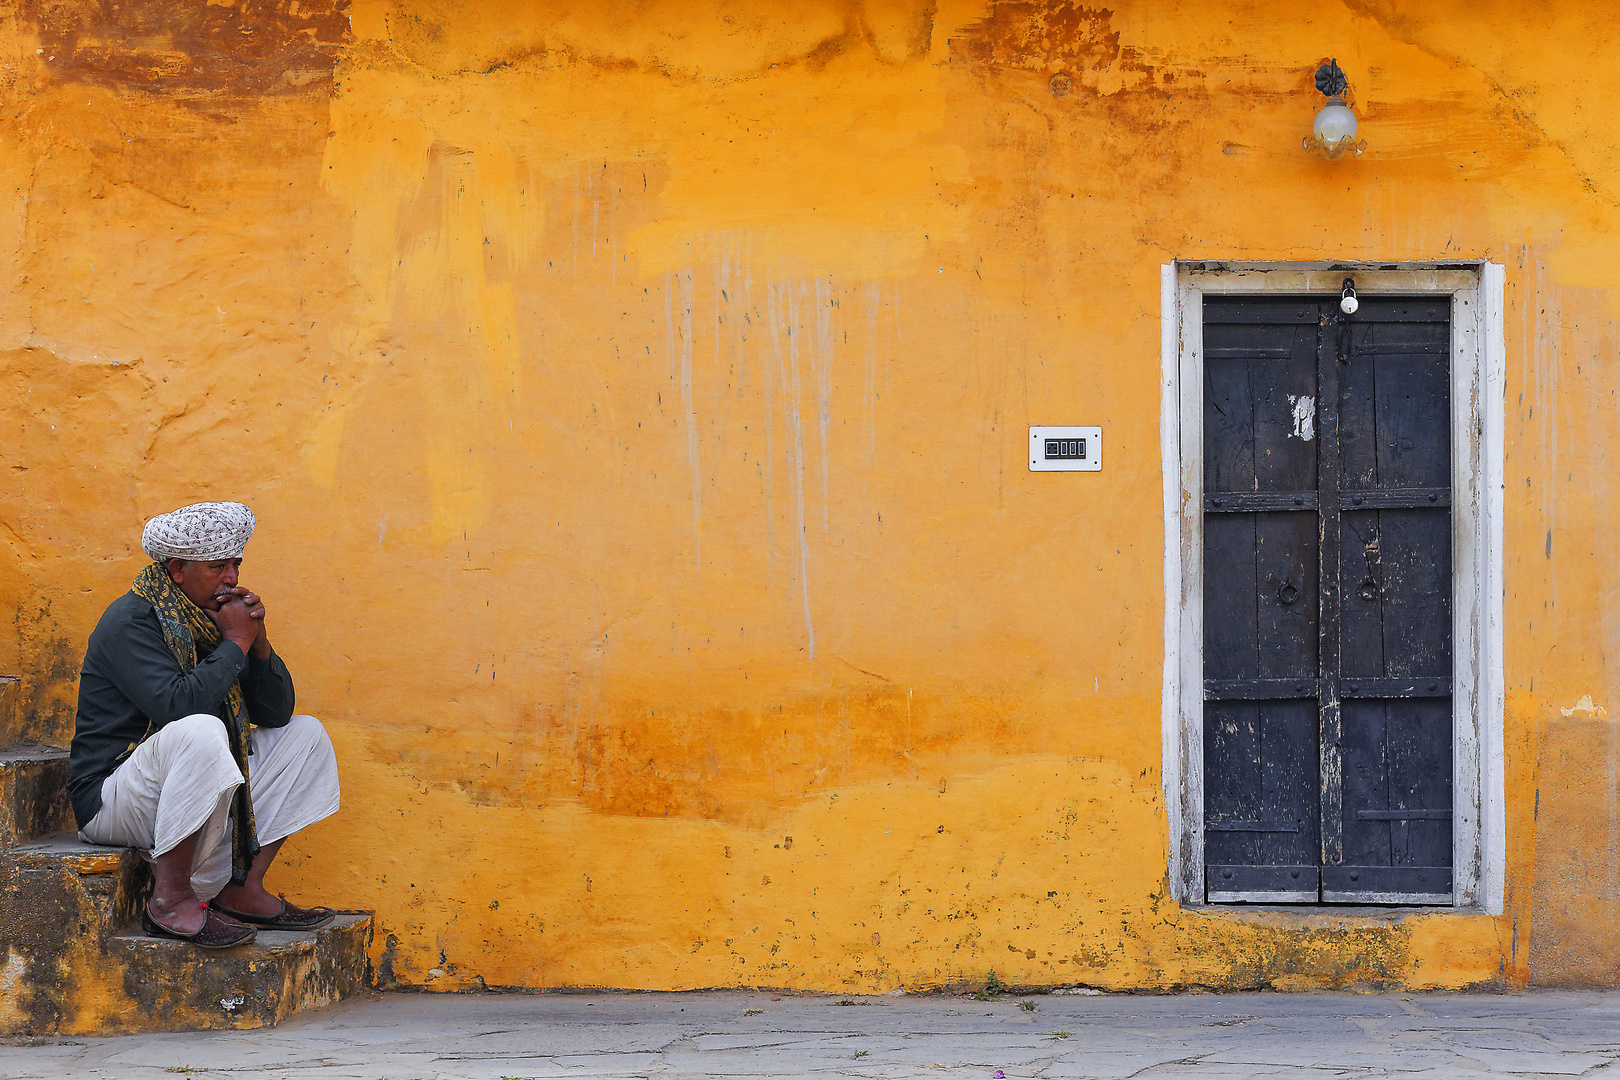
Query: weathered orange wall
column 633, row 399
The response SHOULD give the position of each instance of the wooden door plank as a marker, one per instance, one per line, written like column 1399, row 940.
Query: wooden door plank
column 1387, row 884
column 1415, row 591
column 1243, row 883
column 1261, row 689
column 1366, row 783
column 1413, row 686
column 1286, row 587
column 1221, row 311
column 1405, row 309
column 1393, row 498
column 1228, row 438
column 1249, row 502
column 1330, row 774
column 1413, row 411
column 1361, row 568
column 1358, row 417
column 1243, row 342
column 1231, row 647
column 1283, row 393
column 1232, row 788
column 1288, row 754
column 1418, row 742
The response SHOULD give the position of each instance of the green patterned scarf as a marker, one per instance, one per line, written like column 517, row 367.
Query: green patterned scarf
column 190, row 633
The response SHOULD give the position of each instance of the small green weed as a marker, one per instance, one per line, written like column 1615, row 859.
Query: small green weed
column 1027, row 1006
column 992, row 988
column 752, row 1012
column 1060, row 1034
column 847, row 1001
column 861, row 1053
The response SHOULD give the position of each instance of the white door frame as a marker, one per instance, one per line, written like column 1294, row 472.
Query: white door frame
column 1477, row 385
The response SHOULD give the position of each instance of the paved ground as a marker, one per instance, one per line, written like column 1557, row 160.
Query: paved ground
column 740, row 1035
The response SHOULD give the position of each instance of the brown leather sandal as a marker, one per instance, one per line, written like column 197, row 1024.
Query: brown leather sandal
column 290, row 917
column 218, row 931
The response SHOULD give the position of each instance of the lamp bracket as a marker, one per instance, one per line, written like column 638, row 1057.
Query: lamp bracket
column 1330, row 80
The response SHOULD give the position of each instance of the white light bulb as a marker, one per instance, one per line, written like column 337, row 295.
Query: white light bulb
column 1333, row 132
column 1335, row 122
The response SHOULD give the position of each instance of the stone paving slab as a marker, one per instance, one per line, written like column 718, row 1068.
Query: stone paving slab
column 759, row 1035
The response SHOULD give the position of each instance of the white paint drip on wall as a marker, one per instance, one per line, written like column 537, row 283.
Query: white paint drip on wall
column 767, row 469
column 802, row 317
column 1304, row 406
column 798, row 472
column 781, row 296
column 678, row 365
column 821, row 361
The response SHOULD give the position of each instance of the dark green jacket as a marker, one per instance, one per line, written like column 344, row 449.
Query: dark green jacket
column 130, row 678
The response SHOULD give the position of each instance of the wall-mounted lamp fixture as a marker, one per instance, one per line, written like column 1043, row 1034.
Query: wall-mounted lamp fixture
column 1334, row 130
column 1347, row 297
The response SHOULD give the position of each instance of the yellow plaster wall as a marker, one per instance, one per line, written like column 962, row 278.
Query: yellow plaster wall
column 633, row 399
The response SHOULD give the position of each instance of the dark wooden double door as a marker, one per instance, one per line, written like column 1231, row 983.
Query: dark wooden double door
column 1327, row 601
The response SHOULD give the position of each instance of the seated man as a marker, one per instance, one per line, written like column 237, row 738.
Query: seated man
column 186, row 745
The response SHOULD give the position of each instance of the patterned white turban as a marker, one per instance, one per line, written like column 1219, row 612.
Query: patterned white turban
column 199, row 532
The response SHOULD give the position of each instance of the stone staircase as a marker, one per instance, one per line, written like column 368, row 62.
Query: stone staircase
column 73, row 958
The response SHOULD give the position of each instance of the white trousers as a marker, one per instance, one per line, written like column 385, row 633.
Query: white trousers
column 180, row 781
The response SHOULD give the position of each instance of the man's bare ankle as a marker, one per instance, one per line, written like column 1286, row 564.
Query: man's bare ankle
column 183, row 914
column 182, row 902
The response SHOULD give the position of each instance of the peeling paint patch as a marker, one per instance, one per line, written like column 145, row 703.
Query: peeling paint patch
column 1584, row 707
column 1304, row 406
column 13, row 980
column 280, row 47
column 1034, row 35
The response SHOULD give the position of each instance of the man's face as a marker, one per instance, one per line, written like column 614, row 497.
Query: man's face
column 203, row 582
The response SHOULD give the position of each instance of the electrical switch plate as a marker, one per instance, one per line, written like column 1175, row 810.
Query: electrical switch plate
column 1065, row 449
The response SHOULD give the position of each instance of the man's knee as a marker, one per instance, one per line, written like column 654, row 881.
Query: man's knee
column 304, row 737
column 199, row 733
column 307, row 723
column 307, row 729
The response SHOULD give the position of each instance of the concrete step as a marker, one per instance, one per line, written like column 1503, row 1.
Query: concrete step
column 33, row 793
column 173, row 986
column 73, row 958
column 60, row 899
